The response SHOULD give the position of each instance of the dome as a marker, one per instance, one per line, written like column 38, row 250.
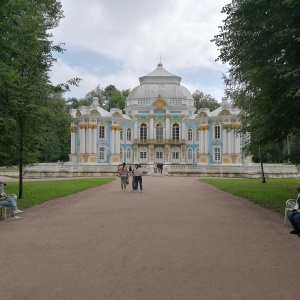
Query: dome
column 160, row 83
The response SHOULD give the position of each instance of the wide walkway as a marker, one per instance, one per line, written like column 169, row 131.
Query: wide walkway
column 179, row 240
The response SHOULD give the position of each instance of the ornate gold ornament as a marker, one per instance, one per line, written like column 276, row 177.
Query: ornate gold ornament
column 167, row 116
column 82, row 126
column 151, row 116
column 117, row 115
column 224, row 112
column 202, row 114
column 159, row 103
column 73, row 128
column 78, row 113
column 95, row 112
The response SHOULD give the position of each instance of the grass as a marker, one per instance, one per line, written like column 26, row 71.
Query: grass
column 37, row 192
column 272, row 194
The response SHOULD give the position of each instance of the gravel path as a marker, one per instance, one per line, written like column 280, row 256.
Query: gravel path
column 178, row 240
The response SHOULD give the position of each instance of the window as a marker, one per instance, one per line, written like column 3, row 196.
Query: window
column 143, row 154
column 159, row 155
column 128, row 154
column 217, row 132
column 217, row 154
column 175, row 155
column 175, row 132
column 101, row 132
column 159, row 131
column 190, row 154
column 190, row 135
column 197, row 135
column 102, row 153
column 143, row 131
column 129, row 136
column 121, row 134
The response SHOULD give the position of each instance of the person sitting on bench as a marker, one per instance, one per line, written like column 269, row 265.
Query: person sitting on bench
column 9, row 201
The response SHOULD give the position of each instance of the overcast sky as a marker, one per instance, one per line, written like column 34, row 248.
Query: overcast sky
column 118, row 41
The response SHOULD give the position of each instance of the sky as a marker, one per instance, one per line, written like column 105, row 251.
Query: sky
column 117, row 41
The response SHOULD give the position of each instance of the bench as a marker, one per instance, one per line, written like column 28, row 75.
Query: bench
column 3, row 211
column 289, row 205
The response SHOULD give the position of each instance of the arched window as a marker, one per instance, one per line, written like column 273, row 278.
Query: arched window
column 190, row 154
column 143, row 131
column 129, row 135
column 175, row 131
column 190, row 135
column 121, row 134
column 159, row 131
column 197, row 135
column 128, row 154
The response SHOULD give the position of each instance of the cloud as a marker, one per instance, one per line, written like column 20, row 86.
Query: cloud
column 135, row 34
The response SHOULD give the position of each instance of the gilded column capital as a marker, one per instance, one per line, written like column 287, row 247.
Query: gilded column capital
column 167, row 116
column 82, row 126
column 151, row 116
column 73, row 128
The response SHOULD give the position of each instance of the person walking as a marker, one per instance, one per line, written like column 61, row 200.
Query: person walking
column 138, row 178
column 123, row 172
column 133, row 180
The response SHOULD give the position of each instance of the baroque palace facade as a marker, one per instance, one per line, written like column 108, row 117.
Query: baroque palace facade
column 160, row 125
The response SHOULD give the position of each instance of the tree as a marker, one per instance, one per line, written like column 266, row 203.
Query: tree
column 25, row 61
column 260, row 40
column 205, row 101
column 56, row 143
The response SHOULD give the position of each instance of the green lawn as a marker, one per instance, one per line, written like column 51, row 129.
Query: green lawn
column 272, row 194
column 36, row 192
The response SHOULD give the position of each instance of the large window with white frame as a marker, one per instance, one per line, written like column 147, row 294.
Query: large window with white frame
column 197, row 135
column 121, row 135
column 159, row 131
column 175, row 131
column 143, row 131
column 129, row 135
column 102, row 153
column 217, row 154
column 190, row 155
column 128, row 155
column 102, row 132
column 175, row 155
column 190, row 135
column 217, row 131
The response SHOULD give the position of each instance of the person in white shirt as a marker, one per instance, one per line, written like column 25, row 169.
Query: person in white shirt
column 294, row 216
column 138, row 180
column 123, row 172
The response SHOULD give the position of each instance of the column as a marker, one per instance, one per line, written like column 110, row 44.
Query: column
column 168, row 127
column 183, row 130
column 117, row 140
column 73, row 139
column 151, row 125
column 225, row 142
column 82, row 138
column 88, row 146
column 201, row 141
column 206, row 141
column 94, row 139
column 112, row 140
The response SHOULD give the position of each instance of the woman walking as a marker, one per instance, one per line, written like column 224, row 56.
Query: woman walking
column 123, row 172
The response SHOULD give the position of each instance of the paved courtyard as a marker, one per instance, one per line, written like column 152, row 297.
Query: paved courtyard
column 178, row 240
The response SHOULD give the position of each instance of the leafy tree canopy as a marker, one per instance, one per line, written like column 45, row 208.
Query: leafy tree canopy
column 260, row 40
column 205, row 101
